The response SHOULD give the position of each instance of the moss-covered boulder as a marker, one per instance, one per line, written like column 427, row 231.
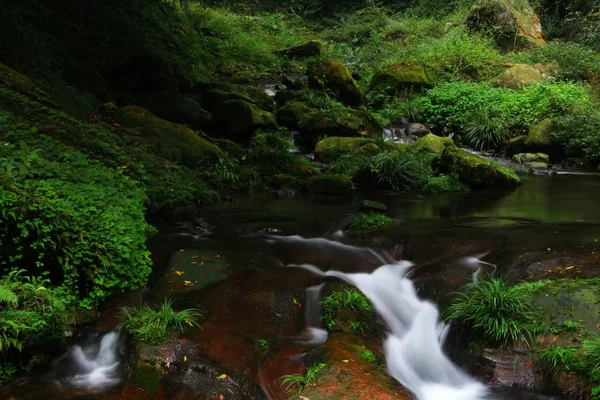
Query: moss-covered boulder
column 341, row 122
column 15, row 79
column 521, row 75
column 177, row 108
column 369, row 149
column 330, row 185
column 331, row 148
column 238, row 118
column 540, row 140
column 175, row 142
column 433, row 143
column 515, row 145
column 476, row 171
column 212, row 95
column 332, row 75
column 512, row 24
column 292, row 113
column 522, row 158
column 399, row 78
column 305, row 50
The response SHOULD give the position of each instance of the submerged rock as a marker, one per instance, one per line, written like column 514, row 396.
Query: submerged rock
column 334, row 76
column 177, row 142
column 512, row 24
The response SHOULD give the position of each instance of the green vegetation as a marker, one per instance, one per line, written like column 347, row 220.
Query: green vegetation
column 365, row 223
column 495, row 311
column 348, row 301
column 294, row 384
column 369, row 356
column 263, row 345
column 153, row 326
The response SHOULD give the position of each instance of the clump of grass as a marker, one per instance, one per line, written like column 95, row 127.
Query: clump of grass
column 369, row 356
column 263, row 345
column 365, row 223
column 486, row 129
column 444, row 183
column 345, row 300
column 572, row 325
column 153, row 326
column 557, row 356
column 396, row 171
column 496, row 311
column 591, row 356
column 296, row 383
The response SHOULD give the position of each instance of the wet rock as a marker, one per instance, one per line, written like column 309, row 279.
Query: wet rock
column 191, row 148
column 212, row 95
column 531, row 157
column 331, row 148
column 334, row 76
column 522, row 75
column 512, row 367
column 239, row 118
column 476, row 171
column 176, row 108
column 306, row 50
column 416, row 129
column 369, row 205
column 295, row 81
column 203, row 379
column 344, row 365
column 512, row 24
column 397, row 78
column 292, row 113
column 330, row 185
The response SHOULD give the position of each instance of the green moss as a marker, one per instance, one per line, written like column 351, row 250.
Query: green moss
column 364, row 224
column 443, row 184
column 476, row 171
column 331, row 148
column 399, row 78
column 539, row 134
column 330, row 184
column 188, row 146
column 433, row 143
column 240, row 118
column 292, row 113
column 531, row 157
column 369, row 149
column 213, row 94
column 342, row 122
column 334, row 76
column 520, row 75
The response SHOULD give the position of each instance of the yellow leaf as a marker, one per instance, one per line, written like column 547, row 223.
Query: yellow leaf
column 187, row 283
column 295, row 301
column 570, row 267
column 223, row 376
column 184, row 358
column 345, row 361
column 179, row 273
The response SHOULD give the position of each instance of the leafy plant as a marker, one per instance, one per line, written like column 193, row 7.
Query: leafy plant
column 296, row 383
column 263, row 345
column 364, row 223
column 152, row 326
column 591, row 355
column 486, row 129
column 443, row 184
column 351, row 300
column 572, row 325
column 369, row 356
column 396, row 171
column 557, row 356
column 496, row 311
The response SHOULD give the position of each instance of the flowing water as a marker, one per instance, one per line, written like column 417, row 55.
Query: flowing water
column 441, row 244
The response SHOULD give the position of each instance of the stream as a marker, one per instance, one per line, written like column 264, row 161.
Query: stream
column 258, row 267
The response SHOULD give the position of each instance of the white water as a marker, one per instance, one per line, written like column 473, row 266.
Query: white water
column 95, row 365
column 413, row 349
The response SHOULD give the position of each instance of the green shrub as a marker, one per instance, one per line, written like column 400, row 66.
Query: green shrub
column 31, row 312
column 369, row 356
column 559, row 357
column 73, row 220
column 364, row 223
column 495, row 311
column 296, row 383
column 153, row 326
column 396, row 171
column 591, row 356
column 485, row 129
column 444, row 184
column 580, row 133
column 349, row 300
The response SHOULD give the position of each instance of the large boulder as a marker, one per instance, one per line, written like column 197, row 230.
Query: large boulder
column 177, row 108
column 342, row 122
column 522, row 158
column 476, row 171
column 330, row 185
column 292, row 113
column 332, row 75
column 512, row 24
column 515, row 145
column 306, row 50
column 175, row 142
column 331, row 148
column 433, row 143
column 399, row 78
column 212, row 95
column 238, row 118
column 540, row 140
column 521, row 75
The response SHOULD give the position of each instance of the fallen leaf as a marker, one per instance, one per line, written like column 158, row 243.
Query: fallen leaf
column 184, row 358
column 179, row 273
column 569, row 267
column 345, row 361
column 187, row 283
column 223, row 376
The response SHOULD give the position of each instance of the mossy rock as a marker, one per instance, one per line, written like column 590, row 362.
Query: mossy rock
column 372, row 206
column 213, row 94
column 512, row 24
column 177, row 108
column 540, row 140
column 239, row 118
column 340, row 122
column 292, row 113
column 522, row 75
column 231, row 148
column 515, row 145
column 306, row 50
column 331, row 148
column 399, row 78
column 536, row 165
column 176, row 142
column 369, row 149
column 433, row 143
column 334, row 76
column 330, row 185
column 17, row 80
column 475, row 171
column 531, row 157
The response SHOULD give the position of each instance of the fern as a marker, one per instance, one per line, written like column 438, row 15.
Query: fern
column 8, row 297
